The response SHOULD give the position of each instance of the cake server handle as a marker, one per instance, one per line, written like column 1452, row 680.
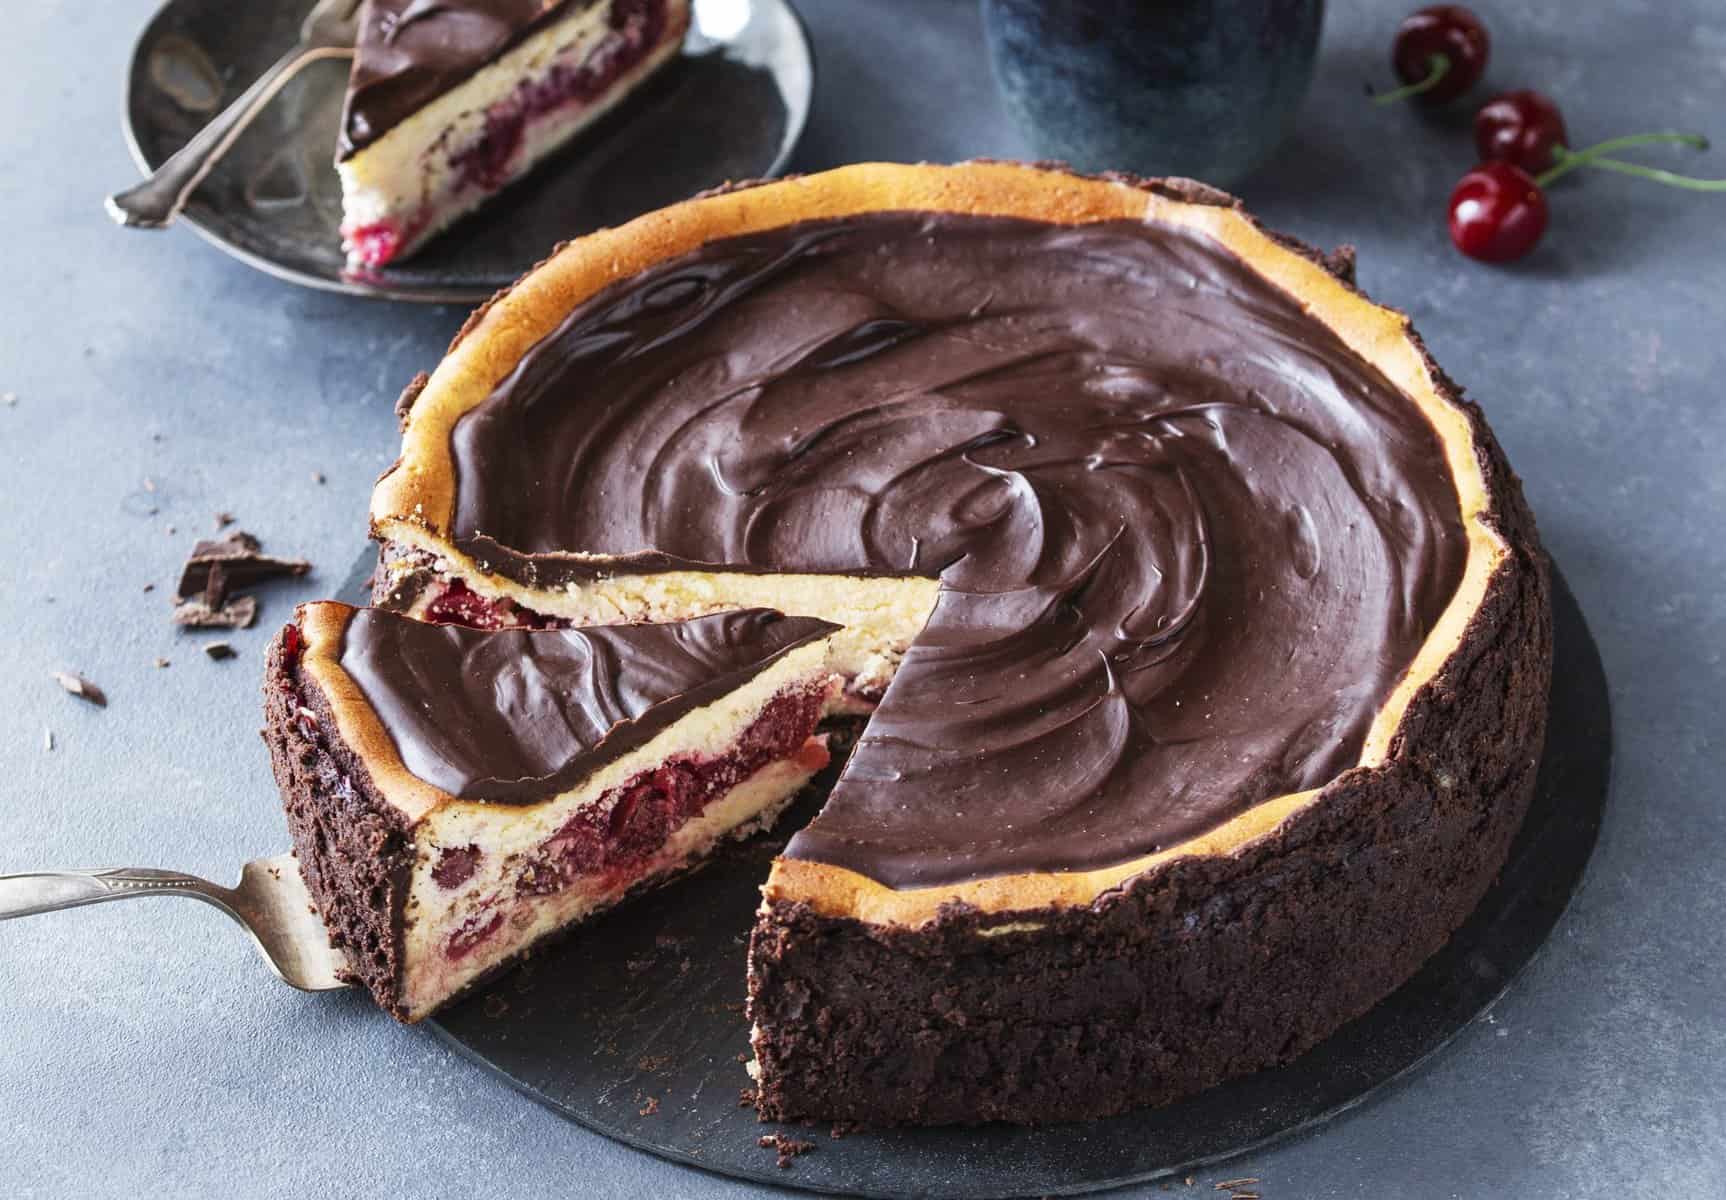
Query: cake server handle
column 329, row 32
column 49, row 891
column 271, row 903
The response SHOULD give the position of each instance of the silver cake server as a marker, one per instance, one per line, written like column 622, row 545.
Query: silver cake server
column 271, row 902
column 329, row 31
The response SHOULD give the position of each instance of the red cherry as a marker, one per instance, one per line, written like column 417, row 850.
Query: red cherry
column 1439, row 53
column 1497, row 212
column 1521, row 127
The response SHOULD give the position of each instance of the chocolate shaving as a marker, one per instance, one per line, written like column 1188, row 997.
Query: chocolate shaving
column 217, row 569
column 238, row 613
column 220, row 650
column 82, row 688
column 218, row 565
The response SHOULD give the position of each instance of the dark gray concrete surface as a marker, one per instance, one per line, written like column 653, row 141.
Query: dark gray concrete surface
column 144, row 1050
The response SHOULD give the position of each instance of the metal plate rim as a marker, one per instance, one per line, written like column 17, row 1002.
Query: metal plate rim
column 136, row 66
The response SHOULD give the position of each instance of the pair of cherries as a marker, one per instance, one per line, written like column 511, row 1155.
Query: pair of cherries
column 1498, row 209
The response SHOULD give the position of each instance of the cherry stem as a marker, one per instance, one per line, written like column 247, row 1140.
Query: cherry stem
column 1669, row 178
column 1437, row 67
column 1567, row 160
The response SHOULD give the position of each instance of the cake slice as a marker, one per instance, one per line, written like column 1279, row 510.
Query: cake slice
column 456, row 794
column 450, row 101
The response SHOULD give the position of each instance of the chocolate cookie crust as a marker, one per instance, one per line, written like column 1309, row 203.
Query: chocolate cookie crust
column 353, row 847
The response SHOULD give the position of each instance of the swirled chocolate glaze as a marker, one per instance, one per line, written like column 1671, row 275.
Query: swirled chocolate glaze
column 1189, row 541
column 409, row 52
column 514, row 716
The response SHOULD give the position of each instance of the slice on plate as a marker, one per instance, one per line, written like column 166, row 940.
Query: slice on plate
column 455, row 795
column 451, row 101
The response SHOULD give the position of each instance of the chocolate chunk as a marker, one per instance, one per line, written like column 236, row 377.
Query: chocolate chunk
column 220, row 651
column 219, row 565
column 82, row 688
column 238, row 613
column 217, row 568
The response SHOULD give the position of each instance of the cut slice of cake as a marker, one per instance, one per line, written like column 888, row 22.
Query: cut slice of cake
column 455, row 794
column 450, row 101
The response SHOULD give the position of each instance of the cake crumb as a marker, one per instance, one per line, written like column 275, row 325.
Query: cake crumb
column 220, row 651
column 9, row 399
column 162, row 663
column 82, row 688
column 746, row 1097
column 149, row 484
column 149, row 587
column 495, row 1006
column 788, row 1147
column 650, row 1063
column 224, row 519
column 1235, row 1185
column 48, row 741
column 648, row 1109
column 317, row 476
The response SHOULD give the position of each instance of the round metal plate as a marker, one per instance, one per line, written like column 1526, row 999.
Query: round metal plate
column 634, row 1025
column 732, row 107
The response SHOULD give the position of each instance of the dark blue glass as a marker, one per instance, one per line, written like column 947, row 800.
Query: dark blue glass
column 1202, row 88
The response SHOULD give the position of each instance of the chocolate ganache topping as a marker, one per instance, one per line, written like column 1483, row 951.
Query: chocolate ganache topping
column 410, row 52
column 515, row 716
column 1188, row 541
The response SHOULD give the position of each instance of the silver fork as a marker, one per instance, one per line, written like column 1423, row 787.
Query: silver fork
column 271, row 903
column 329, row 31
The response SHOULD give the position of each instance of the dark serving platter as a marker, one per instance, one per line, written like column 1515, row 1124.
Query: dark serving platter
column 634, row 1026
column 732, row 107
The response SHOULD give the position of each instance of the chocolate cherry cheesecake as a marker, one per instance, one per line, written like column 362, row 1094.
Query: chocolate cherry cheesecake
column 450, row 101
column 455, row 795
column 1201, row 628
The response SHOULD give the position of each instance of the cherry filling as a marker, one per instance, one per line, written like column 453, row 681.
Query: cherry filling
column 474, row 930
column 458, row 604
column 615, row 838
column 637, row 26
column 455, row 866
